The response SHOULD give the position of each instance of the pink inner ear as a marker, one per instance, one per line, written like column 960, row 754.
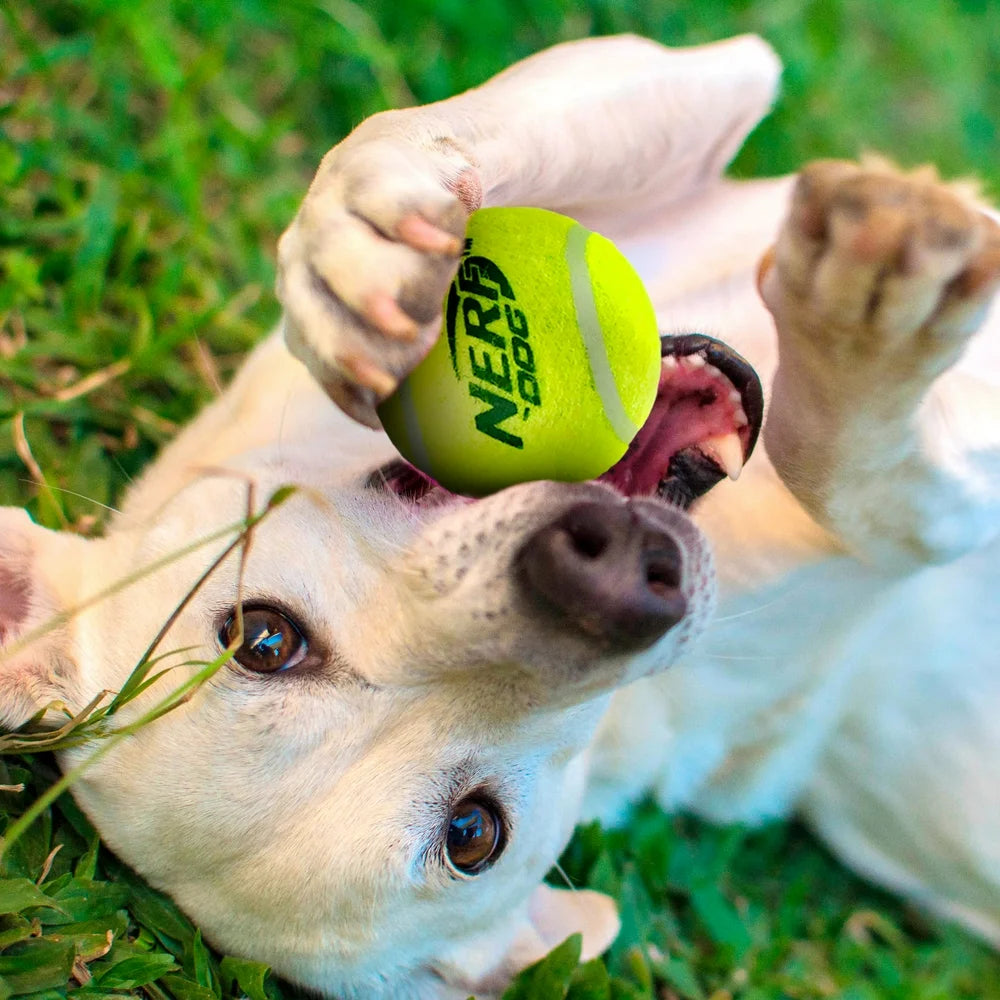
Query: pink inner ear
column 15, row 595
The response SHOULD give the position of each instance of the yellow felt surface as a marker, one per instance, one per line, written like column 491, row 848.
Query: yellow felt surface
column 559, row 420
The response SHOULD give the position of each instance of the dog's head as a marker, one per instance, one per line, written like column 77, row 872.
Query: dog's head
column 369, row 794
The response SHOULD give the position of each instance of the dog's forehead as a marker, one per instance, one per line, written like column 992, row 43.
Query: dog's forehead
column 318, row 731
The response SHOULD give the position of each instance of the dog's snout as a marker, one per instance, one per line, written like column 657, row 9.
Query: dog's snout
column 607, row 569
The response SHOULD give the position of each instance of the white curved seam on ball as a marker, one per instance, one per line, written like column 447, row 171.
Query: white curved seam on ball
column 589, row 325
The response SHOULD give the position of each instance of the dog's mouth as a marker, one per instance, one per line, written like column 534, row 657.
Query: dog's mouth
column 702, row 428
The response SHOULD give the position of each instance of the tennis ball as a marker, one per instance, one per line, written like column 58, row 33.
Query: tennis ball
column 547, row 365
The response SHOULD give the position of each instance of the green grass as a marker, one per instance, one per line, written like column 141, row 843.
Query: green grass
column 150, row 154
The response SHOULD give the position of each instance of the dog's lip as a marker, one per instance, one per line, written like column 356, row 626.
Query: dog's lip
column 737, row 370
column 665, row 459
column 407, row 482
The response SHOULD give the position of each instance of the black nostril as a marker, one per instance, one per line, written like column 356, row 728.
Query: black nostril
column 662, row 578
column 604, row 568
column 662, row 563
column 587, row 536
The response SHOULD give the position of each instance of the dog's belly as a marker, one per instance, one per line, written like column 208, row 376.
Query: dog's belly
column 698, row 260
column 831, row 655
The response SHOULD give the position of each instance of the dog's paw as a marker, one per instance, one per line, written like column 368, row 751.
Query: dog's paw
column 363, row 268
column 879, row 270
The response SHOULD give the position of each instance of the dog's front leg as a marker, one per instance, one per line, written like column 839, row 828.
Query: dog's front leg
column 613, row 121
column 877, row 283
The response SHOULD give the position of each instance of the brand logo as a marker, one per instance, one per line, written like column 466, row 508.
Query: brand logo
column 488, row 335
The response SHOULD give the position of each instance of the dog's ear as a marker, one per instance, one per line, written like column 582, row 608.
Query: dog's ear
column 552, row 915
column 35, row 564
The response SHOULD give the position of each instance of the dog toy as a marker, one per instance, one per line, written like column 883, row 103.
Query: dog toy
column 547, row 365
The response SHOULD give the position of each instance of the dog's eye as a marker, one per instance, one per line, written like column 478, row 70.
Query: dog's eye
column 271, row 642
column 474, row 838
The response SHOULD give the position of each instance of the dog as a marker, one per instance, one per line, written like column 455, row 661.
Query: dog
column 427, row 693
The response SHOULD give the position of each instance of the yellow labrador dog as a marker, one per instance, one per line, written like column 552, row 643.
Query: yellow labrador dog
column 429, row 692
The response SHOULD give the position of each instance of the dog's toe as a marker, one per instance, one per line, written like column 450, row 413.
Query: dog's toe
column 364, row 267
column 873, row 262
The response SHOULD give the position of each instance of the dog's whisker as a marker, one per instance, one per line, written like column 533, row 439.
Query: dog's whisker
column 749, row 611
column 724, row 656
column 73, row 493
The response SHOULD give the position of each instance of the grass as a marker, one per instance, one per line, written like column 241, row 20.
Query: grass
column 150, row 154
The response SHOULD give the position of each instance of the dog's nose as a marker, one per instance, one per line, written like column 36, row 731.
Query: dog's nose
column 607, row 569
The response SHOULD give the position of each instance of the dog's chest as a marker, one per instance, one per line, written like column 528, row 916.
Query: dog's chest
column 739, row 727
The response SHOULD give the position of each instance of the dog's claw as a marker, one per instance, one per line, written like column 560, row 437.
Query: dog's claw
column 384, row 313
column 369, row 376
column 982, row 276
column 359, row 404
column 417, row 232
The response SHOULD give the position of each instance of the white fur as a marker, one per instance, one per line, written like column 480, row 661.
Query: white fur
column 849, row 671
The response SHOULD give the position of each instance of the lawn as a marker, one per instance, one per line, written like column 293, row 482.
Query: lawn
column 150, row 154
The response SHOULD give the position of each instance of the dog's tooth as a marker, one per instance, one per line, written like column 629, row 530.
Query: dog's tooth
column 736, row 399
column 740, row 419
column 694, row 361
column 669, row 361
column 712, row 371
column 727, row 451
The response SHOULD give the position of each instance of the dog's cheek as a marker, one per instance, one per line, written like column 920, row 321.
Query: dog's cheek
column 551, row 916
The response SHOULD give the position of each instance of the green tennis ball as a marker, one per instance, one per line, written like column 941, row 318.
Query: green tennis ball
column 547, row 365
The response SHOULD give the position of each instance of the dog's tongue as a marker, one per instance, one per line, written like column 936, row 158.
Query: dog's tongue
column 697, row 420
